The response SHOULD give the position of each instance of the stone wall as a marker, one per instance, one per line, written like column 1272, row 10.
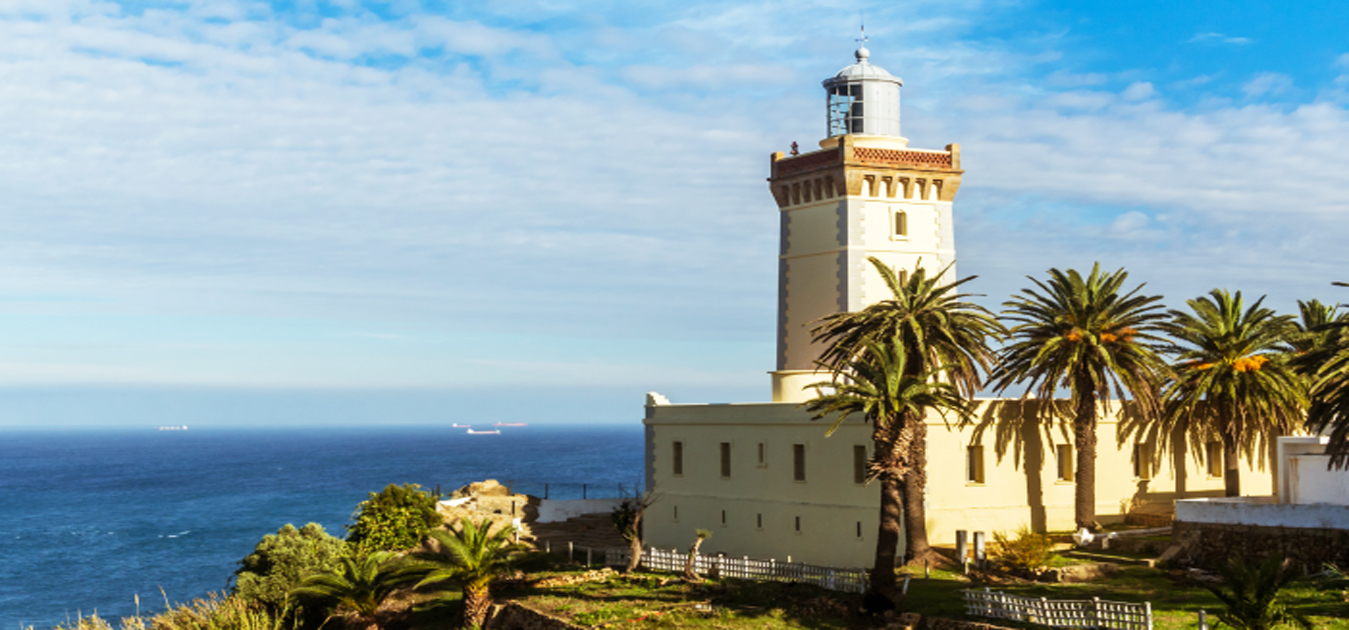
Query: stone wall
column 513, row 616
column 1211, row 544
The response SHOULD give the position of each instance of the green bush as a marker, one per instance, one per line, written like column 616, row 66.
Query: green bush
column 1028, row 552
column 217, row 613
column 284, row 559
column 393, row 519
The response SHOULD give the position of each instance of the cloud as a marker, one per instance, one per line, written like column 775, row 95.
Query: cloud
column 1267, row 84
column 1218, row 37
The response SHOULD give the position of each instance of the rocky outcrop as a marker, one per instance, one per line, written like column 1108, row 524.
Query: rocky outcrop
column 513, row 616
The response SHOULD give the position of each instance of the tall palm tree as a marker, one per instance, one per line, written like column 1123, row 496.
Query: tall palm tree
column 877, row 385
column 1326, row 364
column 359, row 585
column 1089, row 336
column 1317, row 325
column 471, row 556
column 938, row 332
column 1232, row 379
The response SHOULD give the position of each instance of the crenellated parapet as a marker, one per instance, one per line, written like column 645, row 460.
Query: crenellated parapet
column 849, row 170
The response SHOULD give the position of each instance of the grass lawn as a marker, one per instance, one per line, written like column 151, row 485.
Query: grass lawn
column 658, row 600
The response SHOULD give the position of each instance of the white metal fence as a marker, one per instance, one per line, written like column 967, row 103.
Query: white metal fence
column 745, row 568
column 1059, row 613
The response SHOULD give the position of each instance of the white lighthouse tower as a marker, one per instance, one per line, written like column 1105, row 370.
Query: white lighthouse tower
column 864, row 193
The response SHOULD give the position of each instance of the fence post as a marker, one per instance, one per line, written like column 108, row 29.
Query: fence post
column 589, row 551
column 905, row 590
column 547, row 546
column 1095, row 612
column 571, row 555
column 979, row 549
column 962, row 549
column 1203, row 620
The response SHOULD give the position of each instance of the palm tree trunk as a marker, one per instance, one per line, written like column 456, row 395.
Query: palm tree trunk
column 916, row 545
column 477, row 602
column 1084, row 433
column 889, row 446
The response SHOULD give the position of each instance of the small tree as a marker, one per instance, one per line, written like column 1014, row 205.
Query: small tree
column 689, row 573
column 359, row 586
column 470, row 556
column 281, row 561
column 1251, row 595
column 394, row 519
column 1028, row 552
column 627, row 519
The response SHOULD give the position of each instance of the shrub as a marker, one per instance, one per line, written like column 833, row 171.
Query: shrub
column 1250, row 595
column 280, row 562
column 217, row 613
column 393, row 519
column 1028, row 552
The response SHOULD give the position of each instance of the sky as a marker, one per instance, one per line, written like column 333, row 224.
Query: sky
column 242, row 212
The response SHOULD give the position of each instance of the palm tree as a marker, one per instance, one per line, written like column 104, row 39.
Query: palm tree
column 1317, row 325
column 877, row 385
column 359, row 585
column 1232, row 379
column 938, row 332
column 471, row 557
column 1092, row 338
column 1326, row 364
column 1250, row 595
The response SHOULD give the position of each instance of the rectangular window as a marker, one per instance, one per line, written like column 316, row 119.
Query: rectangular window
column 676, row 512
column 725, row 460
column 859, row 464
column 974, row 463
column 1215, row 459
column 798, row 523
column 1143, row 461
column 758, row 521
column 763, row 455
column 859, row 529
column 1065, row 457
column 799, row 462
column 723, row 517
column 901, row 223
column 678, row 459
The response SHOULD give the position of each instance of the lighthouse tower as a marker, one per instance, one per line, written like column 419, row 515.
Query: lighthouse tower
column 864, row 193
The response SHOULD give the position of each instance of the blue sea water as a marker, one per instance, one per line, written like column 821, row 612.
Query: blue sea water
column 91, row 518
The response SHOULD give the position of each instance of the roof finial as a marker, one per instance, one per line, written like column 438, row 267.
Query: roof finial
column 862, row 52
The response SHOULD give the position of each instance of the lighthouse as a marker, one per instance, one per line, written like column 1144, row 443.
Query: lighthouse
column 864, row 193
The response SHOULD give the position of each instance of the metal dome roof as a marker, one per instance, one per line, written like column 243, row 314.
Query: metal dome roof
column 863, row 70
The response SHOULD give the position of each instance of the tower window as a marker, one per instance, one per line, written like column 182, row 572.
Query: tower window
column 758, row 521
column 798, row 524
column 725, row 460
column 1065, row 457
column 763, row 454
column 799, row 462
column 845, row 109
column 901, row 224
column 677, row 460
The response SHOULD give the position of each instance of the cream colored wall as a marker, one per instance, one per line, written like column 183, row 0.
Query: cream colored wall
column 1020, row 485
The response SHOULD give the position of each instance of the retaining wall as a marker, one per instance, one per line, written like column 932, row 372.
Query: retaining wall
column 1212, row 544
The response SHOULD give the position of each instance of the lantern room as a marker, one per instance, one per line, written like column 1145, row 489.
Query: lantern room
column 863, row 99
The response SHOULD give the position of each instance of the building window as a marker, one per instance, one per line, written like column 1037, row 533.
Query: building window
column 859, row 530
column 974, row 463
column 723, row 517
column 901, row 224
column 859, row 464
column 763, row 455
column 678, row 459
column 676, row 512
column 799, row 462
column 758, row 521
column 725, row 460
column 1214, row 453
column 1065, row 457
column 1143, row 461
column 798, row 524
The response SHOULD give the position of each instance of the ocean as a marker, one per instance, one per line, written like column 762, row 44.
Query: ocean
column 91, row 518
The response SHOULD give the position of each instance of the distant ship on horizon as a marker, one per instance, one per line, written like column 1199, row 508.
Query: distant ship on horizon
column 492, row 432
column 509, row 424
column 461, row 426
column 172, row 428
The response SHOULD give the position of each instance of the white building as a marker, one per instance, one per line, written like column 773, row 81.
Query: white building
column 764, row 479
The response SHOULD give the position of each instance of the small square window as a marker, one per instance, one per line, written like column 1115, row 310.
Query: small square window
column 859, row 464
column 1143, row 461
column 1214, row 458
column 974, row 463
column 1065, row 461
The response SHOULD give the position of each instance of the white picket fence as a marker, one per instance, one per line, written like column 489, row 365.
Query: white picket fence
column 745, row 568
column 1059, row 613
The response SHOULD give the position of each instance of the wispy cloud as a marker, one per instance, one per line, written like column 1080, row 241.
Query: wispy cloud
column 1219, row 38
column 1267, row 84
